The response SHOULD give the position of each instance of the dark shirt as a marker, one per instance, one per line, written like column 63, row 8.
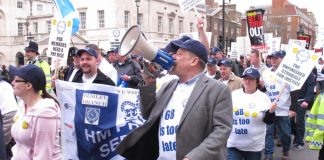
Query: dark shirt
column 132, row 69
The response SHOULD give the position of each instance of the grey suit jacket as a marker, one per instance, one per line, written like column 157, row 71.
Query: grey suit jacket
column 203, row 129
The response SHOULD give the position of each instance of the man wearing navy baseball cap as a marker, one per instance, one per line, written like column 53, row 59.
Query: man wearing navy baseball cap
column 212, row 69
column 181, row 105
column 227, row 76
column 285, row 103
column 90, row 71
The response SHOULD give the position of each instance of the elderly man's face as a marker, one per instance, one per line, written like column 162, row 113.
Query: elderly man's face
column 183, row 59
column 225, row 72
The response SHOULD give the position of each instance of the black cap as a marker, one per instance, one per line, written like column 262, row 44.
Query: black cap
column 32, row 46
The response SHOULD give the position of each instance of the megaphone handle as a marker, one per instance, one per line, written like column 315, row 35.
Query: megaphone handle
column 147, row 71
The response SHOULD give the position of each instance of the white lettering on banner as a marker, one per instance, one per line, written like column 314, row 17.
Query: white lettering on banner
column 256, row 32
column 98, row 136
column 95, row 99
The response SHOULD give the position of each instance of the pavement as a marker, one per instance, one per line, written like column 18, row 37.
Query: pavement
column 304, row 154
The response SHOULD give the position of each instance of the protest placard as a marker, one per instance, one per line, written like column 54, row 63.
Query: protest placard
column 296, row 66
column 186, row 5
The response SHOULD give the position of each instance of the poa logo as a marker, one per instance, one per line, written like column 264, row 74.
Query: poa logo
column 92, row 116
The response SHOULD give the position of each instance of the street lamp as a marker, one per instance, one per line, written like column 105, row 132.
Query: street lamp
column 137, row 12
column 29, row 38
column 223, row 22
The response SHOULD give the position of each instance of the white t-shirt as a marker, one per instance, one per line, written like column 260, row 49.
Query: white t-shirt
column 166, row 78
column 8, row 102
column 170, row 121
column 273, row 86
column 108, row 69
column 248, row 133
column 86, row 79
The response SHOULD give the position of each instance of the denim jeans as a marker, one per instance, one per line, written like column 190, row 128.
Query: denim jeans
column 300, row 125
column 283, row 125
column 235, row 154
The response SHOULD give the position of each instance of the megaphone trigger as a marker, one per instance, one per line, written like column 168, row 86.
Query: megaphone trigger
column 152, row 69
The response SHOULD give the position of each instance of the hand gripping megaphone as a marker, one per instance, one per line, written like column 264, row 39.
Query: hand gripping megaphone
column 134, row 41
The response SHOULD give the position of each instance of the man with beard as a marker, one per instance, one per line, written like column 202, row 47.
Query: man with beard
column 189, row 118
column 90, row 72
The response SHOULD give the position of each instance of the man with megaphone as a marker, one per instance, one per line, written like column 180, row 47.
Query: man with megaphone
column 189, row 118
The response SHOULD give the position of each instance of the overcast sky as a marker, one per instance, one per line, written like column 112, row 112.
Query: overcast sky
column 311, row 5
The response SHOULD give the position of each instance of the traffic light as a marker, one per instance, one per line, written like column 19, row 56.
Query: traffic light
column 220, row 41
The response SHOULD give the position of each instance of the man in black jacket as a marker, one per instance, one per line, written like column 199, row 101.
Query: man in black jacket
column 90, row 72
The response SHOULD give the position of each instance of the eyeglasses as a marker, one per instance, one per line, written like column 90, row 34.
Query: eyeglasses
column 17, row 81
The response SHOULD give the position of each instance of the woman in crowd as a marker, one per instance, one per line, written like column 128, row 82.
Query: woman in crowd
column 36, row 124
column 252, row 110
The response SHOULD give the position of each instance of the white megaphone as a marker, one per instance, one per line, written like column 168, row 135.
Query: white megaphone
column 133, row 41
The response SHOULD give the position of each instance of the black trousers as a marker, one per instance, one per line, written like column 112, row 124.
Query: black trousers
column 321, row 154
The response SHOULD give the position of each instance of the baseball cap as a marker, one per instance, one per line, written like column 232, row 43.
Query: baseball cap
column 32, row 74
column 211, row 61
column 280, row 54
column 251, row 72
column 89, row 50
column 32, row 46
column 215, row 50
column 171, row 47
column 195, row 47
column 224, row 62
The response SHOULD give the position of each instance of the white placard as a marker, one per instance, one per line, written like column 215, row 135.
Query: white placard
column 59, row 41
column 296, row 66
column 186, row 5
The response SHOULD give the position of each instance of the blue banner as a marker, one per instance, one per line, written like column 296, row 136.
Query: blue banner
column 95, row 119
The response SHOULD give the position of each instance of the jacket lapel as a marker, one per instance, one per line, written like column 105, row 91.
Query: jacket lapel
column 195, row 94
column 164, row 96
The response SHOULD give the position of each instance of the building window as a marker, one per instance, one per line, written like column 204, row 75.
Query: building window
column 180, row 26
column 160, row 24
column 288, row 19
column 35, row 24
column 48, row 25
column 226, row 28
column 232, row 30
column 101, row 19
column 288, row 36
column 171, row 26
column 289, row 28
column 20, row 29
column 39, row 7
column 265, row 18
column 126, row 19
column 191, row 27
column 238, row 32
column 19, row 4
column 140, row 19
column 83, row 20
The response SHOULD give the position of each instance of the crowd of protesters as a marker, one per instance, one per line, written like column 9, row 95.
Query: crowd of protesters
column 233, row 105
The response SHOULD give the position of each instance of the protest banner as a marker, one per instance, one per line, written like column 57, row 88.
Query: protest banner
column 115, row 36
column 297, row 42
column 275, row 44
column 306, row 38
column 243, row 45
column 233, row 52
column 255, row 28
column 59, row 41
column 284, row 47
column 296, row 66
column 186, row 5
column 95, row 118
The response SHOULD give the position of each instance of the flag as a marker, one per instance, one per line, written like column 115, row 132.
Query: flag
column 67, row 10
column 95, row 118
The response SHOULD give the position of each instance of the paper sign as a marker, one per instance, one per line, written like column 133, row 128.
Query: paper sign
column 186, row 5
column 296, row 66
